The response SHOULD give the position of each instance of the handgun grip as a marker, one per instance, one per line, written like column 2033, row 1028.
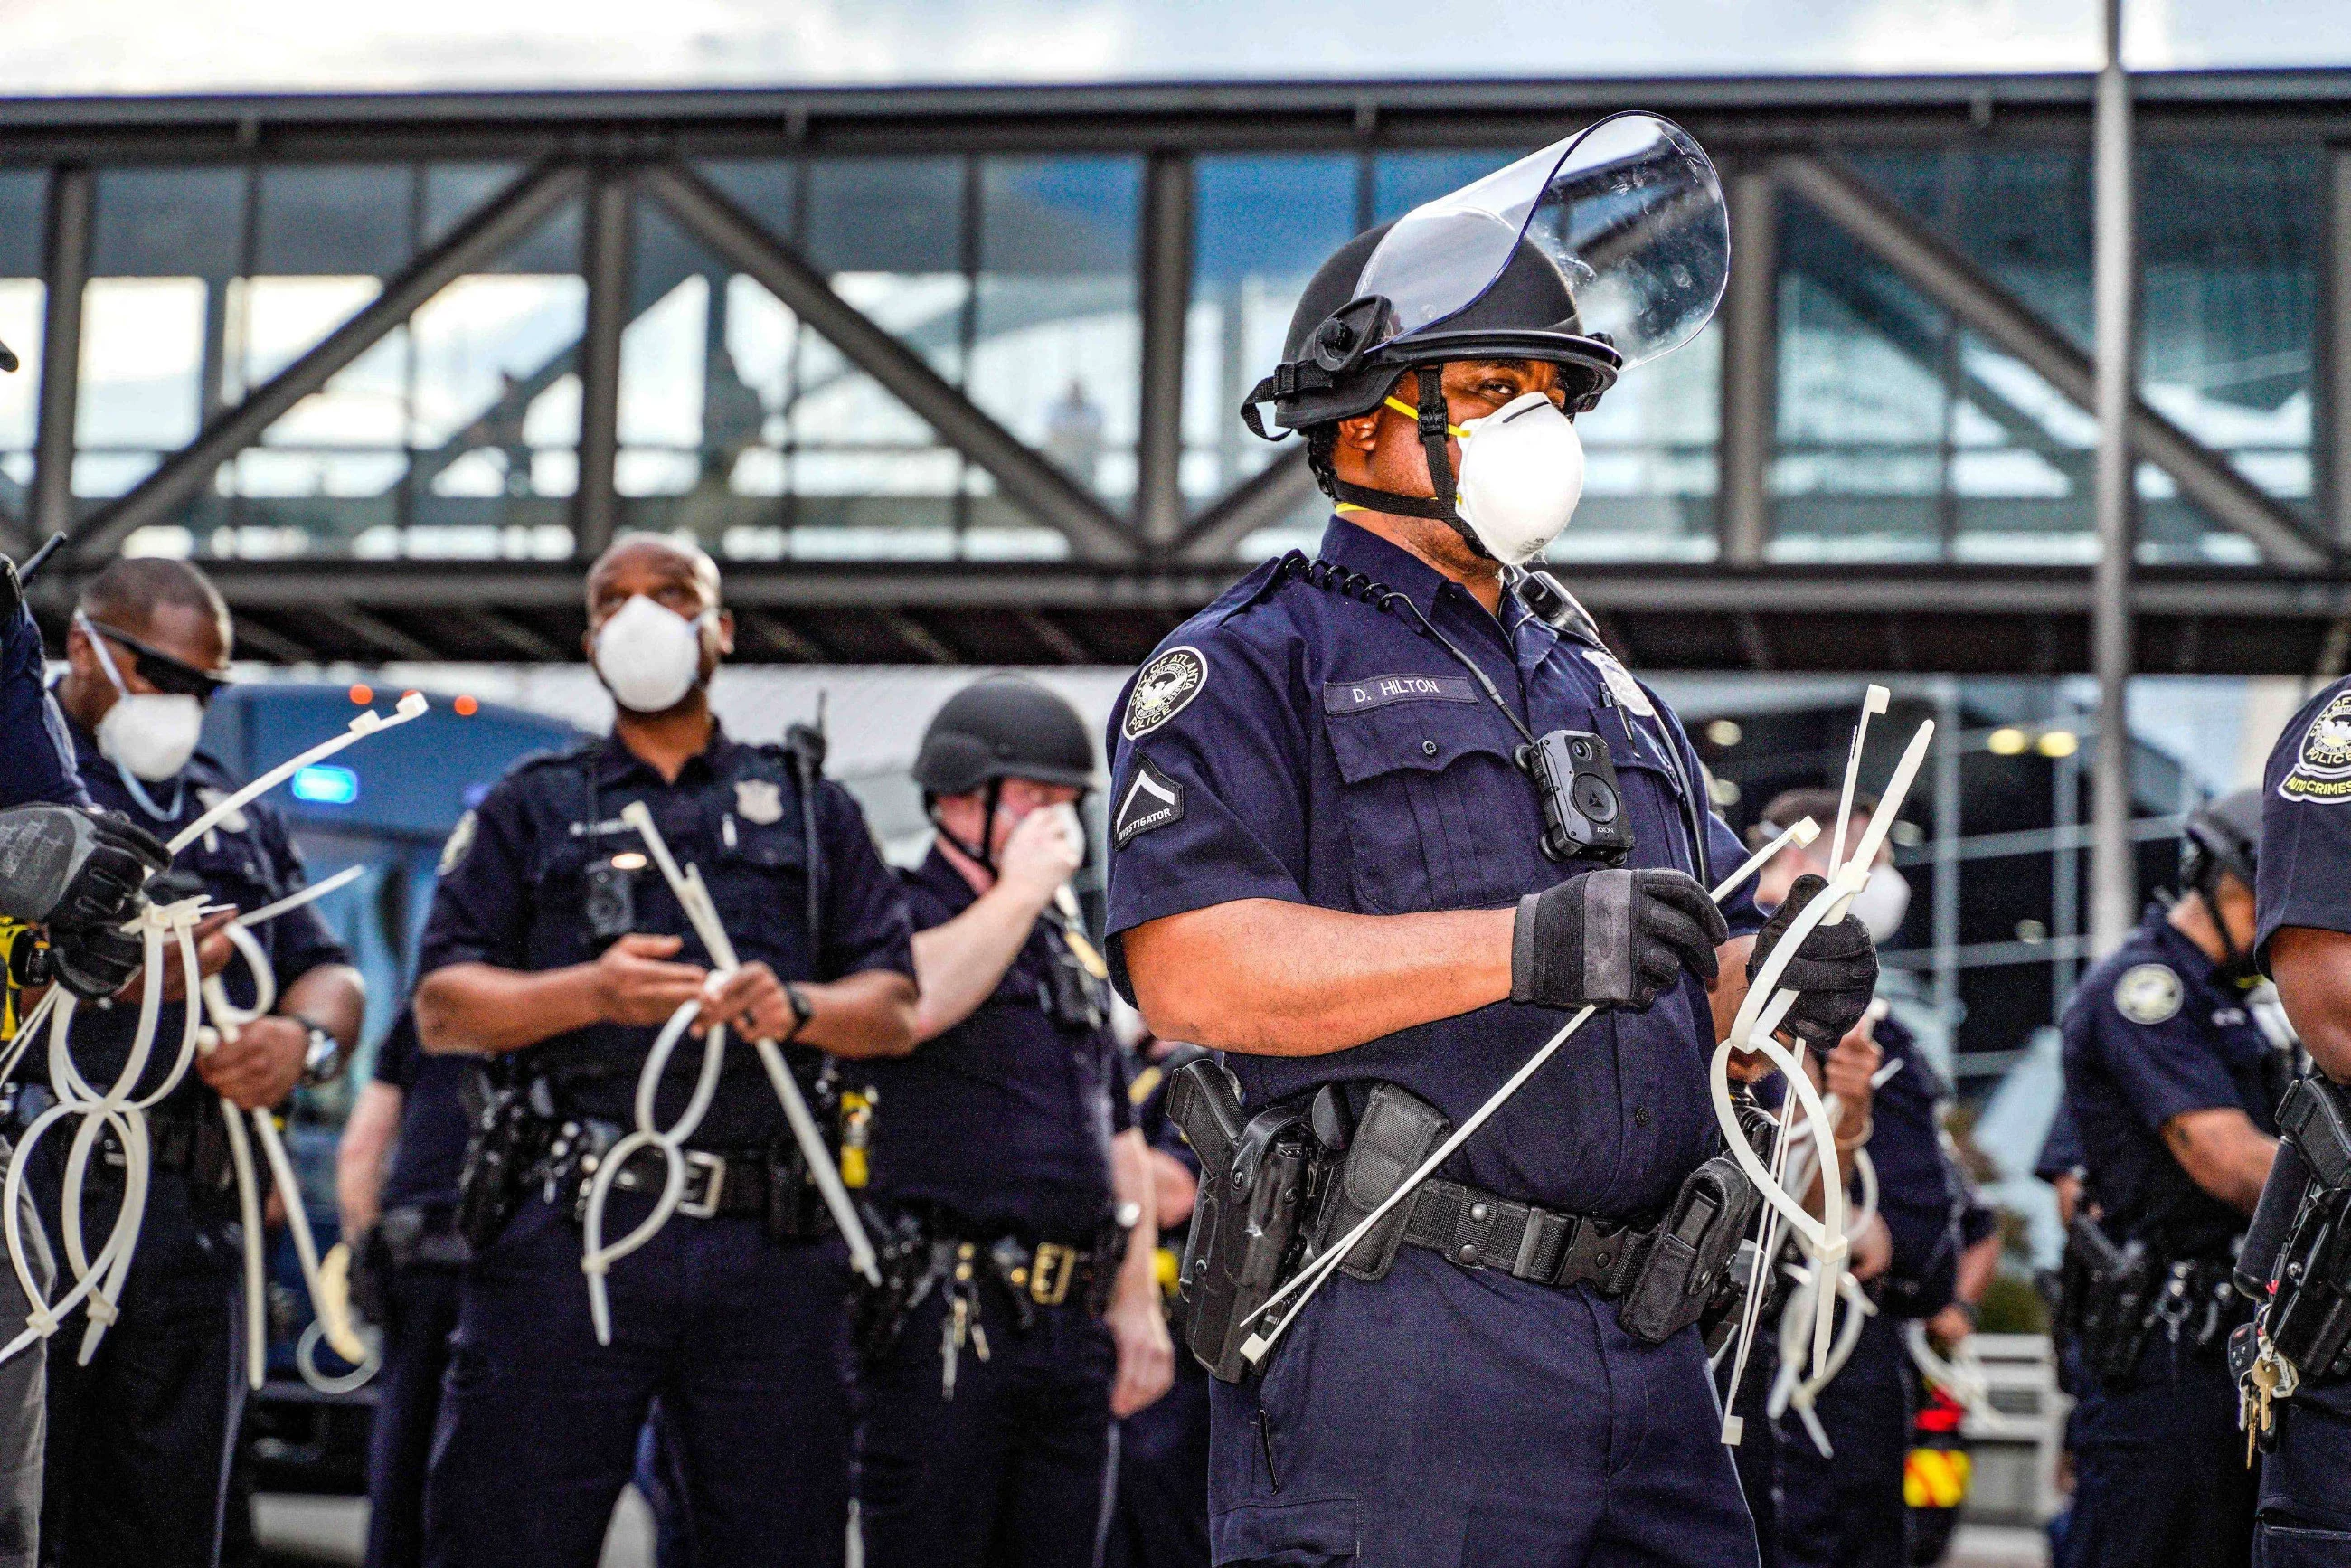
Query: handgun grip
column 1205, row 1101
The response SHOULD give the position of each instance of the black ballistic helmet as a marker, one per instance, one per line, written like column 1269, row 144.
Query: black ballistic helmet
column 2222, row 835
column 1005, row 727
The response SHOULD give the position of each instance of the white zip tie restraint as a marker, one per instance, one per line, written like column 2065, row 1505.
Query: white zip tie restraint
column 1824, row 1240
column 99, row 1280
column 1959, row 1375
column 1309, row 1278
column 596, row 1258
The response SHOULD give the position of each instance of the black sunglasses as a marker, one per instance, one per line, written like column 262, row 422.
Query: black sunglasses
column 160, row 670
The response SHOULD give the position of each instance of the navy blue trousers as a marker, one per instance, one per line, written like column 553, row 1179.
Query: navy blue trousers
column 1444, row 1417
column 1160, row 1516
column 2305, row 1500
column 1847, row 1511
column 1013, row 1472
column 422, row 1304
column 2159, row 1467
column 743, row 1340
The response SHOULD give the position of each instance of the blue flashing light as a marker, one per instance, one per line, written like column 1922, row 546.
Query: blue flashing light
column 324, row 785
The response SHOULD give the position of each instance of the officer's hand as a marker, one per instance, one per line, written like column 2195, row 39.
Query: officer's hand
column 1041, row 854
column 1835, row 973
column 635, row 986
column 750, row 1001
column 70, row 867
column 1949, row 1327
column 1614, row 938
column 1147, row 1356
column 261, row 1066
column 214, row 951
column 1847, row 1072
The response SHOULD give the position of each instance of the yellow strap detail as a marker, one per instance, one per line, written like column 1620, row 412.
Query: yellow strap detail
column 1413, row 413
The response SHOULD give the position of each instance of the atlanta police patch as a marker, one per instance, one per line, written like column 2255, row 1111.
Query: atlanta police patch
column 461, row 839
column 1161, row 690
column 2321, row 769
column 2147, row 993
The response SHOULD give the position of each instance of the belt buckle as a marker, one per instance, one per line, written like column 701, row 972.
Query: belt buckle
column 1051, row 1270
column 714, row 1183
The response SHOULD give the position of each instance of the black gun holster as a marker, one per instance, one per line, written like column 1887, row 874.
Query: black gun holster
column 508, row 1140
column 2305, row 1277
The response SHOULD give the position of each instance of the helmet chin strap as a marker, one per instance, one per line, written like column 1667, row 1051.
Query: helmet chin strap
column 991, row 798
column 1431, row 416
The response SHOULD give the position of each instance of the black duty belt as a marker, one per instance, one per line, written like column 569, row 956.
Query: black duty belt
column 174, row 1132
column 1046, row 1273
column 718, row 1186
column 1478, row 1229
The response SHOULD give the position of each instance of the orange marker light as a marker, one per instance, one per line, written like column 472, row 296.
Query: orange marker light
column 362, row 695
column 466, row 707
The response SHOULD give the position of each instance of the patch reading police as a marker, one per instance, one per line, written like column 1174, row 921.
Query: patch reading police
column 2321, row 770
column 1161, row 691
column 758, row 801
column 1621, row 683
column 1378, row 691
column 461, row 839
column 2148, row 993
column 1152, row 800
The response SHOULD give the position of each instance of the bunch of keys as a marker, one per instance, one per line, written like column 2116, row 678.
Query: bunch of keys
column 2271, row 1377
column 962, row 1325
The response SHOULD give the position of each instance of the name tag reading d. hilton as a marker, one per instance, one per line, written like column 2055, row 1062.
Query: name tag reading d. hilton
column 1378, row 691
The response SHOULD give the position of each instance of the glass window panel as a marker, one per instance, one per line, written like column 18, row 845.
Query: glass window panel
column 1056, row 341
column 767, row 188
column 455, row 192
column 22, row 196
column 23, row 220
column 168, row 223
column 1262, row 225
column 889, row 232
column 143, row 348
column 1649, row 462
column 1403, row 180
column 334, row 220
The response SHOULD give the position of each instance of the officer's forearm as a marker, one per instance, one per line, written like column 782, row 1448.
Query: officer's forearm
column 2313, row 970
column 362, row 1153
column 1730, row 983
column 2223, row 1153
column 959, row 963
column 1130, row 1179
column 333, row 996
column 1978, row 1264
column 1268, row 977
column 863, row 1015
column 480, row 1008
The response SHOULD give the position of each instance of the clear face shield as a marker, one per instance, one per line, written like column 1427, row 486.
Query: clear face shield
column 1629, row 211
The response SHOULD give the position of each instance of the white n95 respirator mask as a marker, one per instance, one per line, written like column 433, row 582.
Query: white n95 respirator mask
column 649, row 656
column 1882, row 903
column 148, row 735
column 1521, row 476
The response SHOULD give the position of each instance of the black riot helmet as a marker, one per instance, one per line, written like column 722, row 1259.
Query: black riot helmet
column 1005, row 727
column 2223, row 835
column 1602, row 251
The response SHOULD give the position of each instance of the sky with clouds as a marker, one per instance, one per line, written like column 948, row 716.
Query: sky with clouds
column 165, row 46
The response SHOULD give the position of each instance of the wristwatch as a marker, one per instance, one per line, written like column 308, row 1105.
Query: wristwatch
column 802, row 1011
column 322, row 1057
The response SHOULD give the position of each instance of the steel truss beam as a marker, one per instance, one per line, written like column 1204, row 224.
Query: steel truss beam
column 1021, row 475
column 502, row 222
column 1958, row 285
column 1260, row 501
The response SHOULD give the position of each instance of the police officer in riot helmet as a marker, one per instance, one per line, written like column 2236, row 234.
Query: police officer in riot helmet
column 1382, row 821
column 2172, row 1086
column 1022, row 1313
column 2293, row 1365
column 557, row 947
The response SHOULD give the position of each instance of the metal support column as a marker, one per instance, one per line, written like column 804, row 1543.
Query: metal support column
column 65, row 272
column 1945, row 913
column 607, row 247
column 1749, row 382
column 2113, row 875
column 1167, row 305
column 2331, row 432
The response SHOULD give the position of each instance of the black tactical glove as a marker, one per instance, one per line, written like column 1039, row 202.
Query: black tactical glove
column 94, row 962
column 1835, row 973
column 1613, row 939
column 61, row 866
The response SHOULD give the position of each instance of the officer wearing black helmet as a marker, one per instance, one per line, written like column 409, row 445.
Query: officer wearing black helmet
column 2172, row 1086
column 1382, row 822
column 1020, row 1310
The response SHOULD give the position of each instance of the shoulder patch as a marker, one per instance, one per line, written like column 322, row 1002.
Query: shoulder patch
column 1621, row 683
column 1152, row 800
column 2322, row 767
column 1166, row 686
column 461, row 839
column 2148, row 993
column 235, row 821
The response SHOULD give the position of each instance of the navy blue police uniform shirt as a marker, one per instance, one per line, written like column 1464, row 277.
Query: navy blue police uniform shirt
column 514, row 889
column 36, row 753
column 2152, row 1032
column 430, row 1150
column 248, row 858
column 2060, row 1149
column 1292, row 744
column 1921, row 1195
column 1004, row 1121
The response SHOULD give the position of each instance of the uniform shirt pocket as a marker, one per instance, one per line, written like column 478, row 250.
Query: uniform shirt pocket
column 760, row 886
column 1438, row 815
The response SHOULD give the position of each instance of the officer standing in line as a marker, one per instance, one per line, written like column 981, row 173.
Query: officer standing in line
column 2172, row 1089
column 2305, row 945
column 1845, row 1510
column 1026, row 1316
column 553, row 944
column 1332, row 797
column 141, row 1439
column 1159, row 1518
column 396, row 1173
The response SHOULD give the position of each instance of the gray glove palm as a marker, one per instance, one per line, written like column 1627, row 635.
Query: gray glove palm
column 1614, row 938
